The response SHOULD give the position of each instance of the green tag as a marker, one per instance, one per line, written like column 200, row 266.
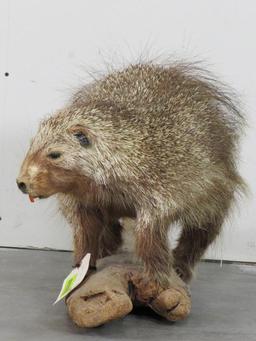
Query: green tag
column 75, row 277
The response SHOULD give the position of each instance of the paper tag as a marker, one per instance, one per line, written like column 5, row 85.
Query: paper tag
column 74, row 278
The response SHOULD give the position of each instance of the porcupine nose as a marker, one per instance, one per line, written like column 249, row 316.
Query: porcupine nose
column 22, row 186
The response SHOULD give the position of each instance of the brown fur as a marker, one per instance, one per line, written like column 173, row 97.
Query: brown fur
column 163, row 149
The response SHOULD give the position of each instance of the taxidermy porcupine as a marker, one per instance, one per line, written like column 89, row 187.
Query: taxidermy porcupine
column 151, row 142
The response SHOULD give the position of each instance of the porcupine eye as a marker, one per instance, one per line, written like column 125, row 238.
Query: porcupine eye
column 54, row 155
column 83, row 140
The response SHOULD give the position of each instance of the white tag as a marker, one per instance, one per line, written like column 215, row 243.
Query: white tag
column 74, row 278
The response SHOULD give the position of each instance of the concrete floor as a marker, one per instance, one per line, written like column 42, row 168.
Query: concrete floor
column 224, row 304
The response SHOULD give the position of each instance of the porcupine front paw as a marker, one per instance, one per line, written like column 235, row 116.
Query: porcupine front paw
column 173, row 303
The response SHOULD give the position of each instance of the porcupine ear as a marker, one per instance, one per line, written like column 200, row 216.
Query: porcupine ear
column 78, row 128
column 82, row 134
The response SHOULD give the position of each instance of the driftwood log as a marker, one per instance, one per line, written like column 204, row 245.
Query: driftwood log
column 118, row 284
